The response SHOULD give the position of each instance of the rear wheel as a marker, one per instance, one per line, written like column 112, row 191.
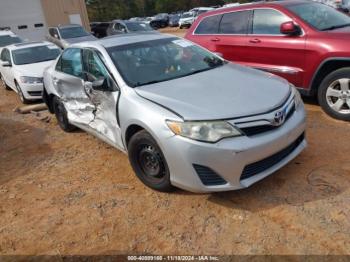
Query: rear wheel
column 149, row 162
column 61, row 116
column 20, row 94
column 334, row 94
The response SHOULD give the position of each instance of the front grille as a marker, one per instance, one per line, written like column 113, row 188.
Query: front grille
column 208, row 176
column 262, row 165
column 255, row 130
column 35, row 93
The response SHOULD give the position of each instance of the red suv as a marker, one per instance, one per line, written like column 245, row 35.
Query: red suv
column 305, row 42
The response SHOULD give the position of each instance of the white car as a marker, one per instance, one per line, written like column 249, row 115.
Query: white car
column 22, row 66
column 8, row 38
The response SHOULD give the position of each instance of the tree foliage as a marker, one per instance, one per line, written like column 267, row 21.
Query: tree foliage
column 106, row 10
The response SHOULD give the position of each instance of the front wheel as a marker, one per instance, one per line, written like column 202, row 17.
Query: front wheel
column 20, row 94
column 148, row 162
column 334, row 94
column 61, row 116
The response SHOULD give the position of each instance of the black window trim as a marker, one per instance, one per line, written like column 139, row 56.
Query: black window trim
column 250, row 26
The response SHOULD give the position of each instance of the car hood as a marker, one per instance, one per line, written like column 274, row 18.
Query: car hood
column 80, row 39
column 34, row 70
column 227, row 92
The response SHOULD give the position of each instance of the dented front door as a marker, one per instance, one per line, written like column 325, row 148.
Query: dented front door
column 104, row 121
column 69, row 84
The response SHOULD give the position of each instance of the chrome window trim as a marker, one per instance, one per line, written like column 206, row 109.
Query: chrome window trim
column 248, row 34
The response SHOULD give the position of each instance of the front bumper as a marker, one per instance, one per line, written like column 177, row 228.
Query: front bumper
column 229, row 157
column 32, row 91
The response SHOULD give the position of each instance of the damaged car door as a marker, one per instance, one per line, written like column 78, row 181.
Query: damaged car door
column 68, row 82
column 103, row 93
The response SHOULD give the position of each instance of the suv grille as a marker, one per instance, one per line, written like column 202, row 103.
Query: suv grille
column 262, row 165
column 208, row 176
column 255, row 130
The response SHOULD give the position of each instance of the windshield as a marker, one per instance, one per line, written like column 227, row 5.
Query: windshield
column 320, row 16
column 35, row 54
column 9, row 40
column 135, row 27
column 161, row 60
column 187, row 15
column 73, row 32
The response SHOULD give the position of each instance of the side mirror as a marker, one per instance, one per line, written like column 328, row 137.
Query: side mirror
column 103, row 84
column 6, row 64
column 290, row 28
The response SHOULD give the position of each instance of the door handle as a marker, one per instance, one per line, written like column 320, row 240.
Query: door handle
column 255, row 41
column 215, row 39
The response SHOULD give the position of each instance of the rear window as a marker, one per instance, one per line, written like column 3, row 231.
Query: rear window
column 209, row 25
column 235, row 23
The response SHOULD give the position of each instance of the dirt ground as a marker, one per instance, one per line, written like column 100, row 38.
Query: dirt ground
column 65, row 194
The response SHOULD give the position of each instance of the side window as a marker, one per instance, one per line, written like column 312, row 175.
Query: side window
column 93, row 66
column 71, row 62
column 235, row 23
column 268, row 21
column 2, row 57
column 209, row 25
column 5, row 55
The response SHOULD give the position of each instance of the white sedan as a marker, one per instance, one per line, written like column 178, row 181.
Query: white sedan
column 22, row 66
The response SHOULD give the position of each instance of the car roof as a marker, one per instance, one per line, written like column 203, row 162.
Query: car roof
column 67, row 26
column 124, row 39
column 28, row 45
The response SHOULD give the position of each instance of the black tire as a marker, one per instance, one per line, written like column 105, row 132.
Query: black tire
column 328, row 102
column 148, row 162
column 61, row 116
column 20, row 94
column 4, row 83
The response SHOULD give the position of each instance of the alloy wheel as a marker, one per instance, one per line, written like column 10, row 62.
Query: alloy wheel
column 338, row 96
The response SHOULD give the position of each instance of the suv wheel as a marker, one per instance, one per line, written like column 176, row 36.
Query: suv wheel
column 20, row 94
column 334, row 94
column 4, row 83
column 61, row 116
column 148, row 162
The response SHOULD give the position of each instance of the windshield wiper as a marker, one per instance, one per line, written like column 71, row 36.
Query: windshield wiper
column 335, row 27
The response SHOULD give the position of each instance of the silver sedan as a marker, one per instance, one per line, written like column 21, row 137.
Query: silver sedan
column 185, row 117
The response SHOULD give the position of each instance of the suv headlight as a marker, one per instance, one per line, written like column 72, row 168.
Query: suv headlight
column 31, row 80
column 207, row 131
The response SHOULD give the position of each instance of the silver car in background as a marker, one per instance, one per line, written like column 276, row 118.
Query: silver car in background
column 185, row 117
column 65, row 35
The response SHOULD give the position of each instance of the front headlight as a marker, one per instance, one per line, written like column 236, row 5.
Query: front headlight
column 31, row 80
column 208, row 131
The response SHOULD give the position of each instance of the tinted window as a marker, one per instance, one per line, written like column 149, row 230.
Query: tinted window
column 320, row 16
column 9, row 40
column 35, row 54
column 5, row 55
column 73, row 32
column 209, row 25
column 71, row 62
column 235, row 23
column 93, row 66
column 268, row 21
